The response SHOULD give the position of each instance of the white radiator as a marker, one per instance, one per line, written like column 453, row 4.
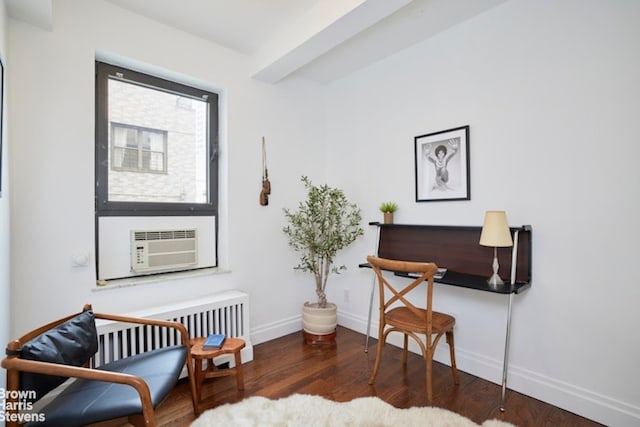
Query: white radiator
column 222, row 313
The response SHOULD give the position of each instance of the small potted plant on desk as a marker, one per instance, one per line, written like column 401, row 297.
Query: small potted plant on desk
column 388, row 208
column 325, row 223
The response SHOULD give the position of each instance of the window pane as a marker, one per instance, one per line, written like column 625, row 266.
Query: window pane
column 132, row 138
column 152, row 141
column 119, row 137
column 129, row 158
column 152, row 161
column 166, row 156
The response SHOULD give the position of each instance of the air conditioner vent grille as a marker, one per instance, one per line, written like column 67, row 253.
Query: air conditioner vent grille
column 164, row 235
column 163, row 250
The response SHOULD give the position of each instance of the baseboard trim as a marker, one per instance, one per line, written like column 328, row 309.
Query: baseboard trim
column 273, row 330
column 586, row 403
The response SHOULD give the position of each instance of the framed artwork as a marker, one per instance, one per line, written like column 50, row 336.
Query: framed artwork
column 442, row 165
column 1, row 117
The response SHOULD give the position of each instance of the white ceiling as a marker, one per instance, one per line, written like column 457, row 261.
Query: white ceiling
column 322, row 40
column 241, row 25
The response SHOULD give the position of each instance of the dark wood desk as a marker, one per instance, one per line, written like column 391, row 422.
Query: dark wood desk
column 468, row 264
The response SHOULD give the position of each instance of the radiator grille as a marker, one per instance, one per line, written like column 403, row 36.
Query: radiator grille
column 224, row 313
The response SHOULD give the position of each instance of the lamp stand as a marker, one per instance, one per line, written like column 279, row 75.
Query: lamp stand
column 495, row 279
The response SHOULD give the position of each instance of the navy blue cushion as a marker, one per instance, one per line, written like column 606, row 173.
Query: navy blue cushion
column 70, row 343
column 85, row 402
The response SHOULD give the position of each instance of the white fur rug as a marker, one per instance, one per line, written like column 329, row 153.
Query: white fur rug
column 301, row 410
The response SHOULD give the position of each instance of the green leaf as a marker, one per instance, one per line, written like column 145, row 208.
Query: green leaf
column 324, row 224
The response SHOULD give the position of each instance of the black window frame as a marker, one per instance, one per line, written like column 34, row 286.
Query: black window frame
column 103, row 206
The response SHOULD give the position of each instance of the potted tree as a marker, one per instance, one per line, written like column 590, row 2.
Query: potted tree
column 324, row 223
column 388, row 208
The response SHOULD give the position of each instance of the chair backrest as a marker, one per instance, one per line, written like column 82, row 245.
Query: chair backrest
column 423, row 271
column 69, row 341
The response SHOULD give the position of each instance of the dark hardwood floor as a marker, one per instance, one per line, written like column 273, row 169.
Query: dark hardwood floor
column 286, row 365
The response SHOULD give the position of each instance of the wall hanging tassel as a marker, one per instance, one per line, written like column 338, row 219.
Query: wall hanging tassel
column 266, row 185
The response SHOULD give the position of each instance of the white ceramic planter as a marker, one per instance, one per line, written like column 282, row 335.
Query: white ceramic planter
column 319, row 321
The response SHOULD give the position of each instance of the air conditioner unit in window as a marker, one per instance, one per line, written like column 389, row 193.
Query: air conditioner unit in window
column 160, row 250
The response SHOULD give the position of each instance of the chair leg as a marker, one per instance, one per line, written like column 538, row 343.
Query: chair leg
column 452, row 353
column 429, row 369
column 192, row 381
column 405, row 349
column 381, row 339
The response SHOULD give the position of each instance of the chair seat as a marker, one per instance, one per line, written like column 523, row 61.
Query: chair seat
column 84, row 402
column 403, row 318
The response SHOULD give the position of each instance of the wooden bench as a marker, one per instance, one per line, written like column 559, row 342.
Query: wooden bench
column 131, row 387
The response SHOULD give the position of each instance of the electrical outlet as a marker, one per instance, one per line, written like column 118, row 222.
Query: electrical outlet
column 346, row 295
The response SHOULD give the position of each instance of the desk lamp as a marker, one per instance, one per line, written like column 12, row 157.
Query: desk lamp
column 496, row 234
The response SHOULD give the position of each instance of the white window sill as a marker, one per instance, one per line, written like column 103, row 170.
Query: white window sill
column 102, row 285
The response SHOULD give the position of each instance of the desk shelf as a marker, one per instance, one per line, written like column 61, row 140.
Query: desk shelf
column 457, row 248
column 480, row 283
column 471, row 281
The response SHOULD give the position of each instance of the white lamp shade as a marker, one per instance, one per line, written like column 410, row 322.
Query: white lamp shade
column 495, row 230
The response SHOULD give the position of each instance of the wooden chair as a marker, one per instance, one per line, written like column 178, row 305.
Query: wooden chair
column 398, row 314
column 130, row 387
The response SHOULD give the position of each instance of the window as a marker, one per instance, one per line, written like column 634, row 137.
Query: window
column 156, row 145
column 156, row 168
column 137, row 149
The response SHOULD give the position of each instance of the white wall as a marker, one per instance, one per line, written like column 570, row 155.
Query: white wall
column 550, row 90
column 52, row 119
column 5, row 268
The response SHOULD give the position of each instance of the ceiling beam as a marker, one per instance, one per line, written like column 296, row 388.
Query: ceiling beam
column 326, row 26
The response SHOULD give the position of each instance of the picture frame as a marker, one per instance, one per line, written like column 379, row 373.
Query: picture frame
column 442, row 165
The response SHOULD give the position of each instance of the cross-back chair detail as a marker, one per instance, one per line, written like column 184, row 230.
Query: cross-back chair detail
column 398, row 314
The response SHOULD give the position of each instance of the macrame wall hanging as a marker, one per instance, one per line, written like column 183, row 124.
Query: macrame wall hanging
column 266, row 185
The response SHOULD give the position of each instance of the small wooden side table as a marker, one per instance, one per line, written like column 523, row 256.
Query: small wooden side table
column 198, row 354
